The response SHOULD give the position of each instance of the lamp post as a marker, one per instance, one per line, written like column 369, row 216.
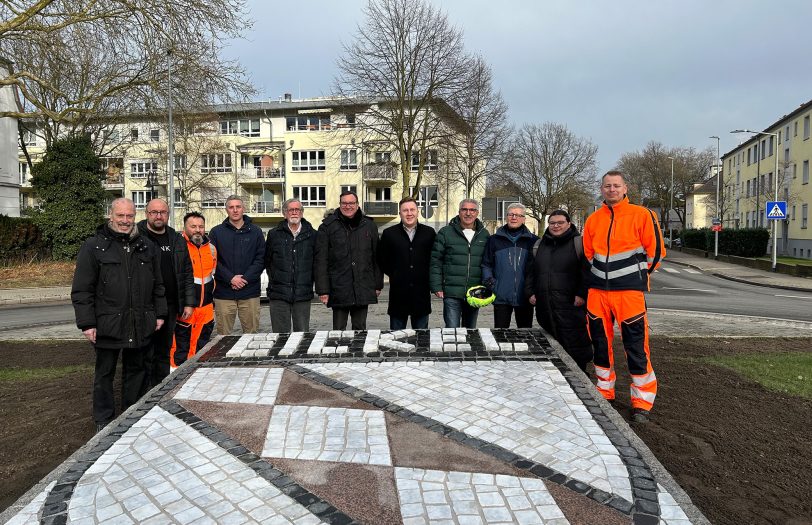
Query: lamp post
column 170, row 188
column 716, row 210
column 668, row 215
column 775, row 187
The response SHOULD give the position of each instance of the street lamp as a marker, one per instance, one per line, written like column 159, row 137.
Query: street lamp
column 775, row 185
column 716, row 212
column 170, row 189
column 668, row 215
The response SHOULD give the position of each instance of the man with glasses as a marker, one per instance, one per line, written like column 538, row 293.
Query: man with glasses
column 456, row 260
column 289, row 250
column 503, row 265
column 178, row 278
column 347, row 276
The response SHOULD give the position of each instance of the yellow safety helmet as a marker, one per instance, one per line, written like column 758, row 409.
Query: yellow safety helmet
column 479, row 296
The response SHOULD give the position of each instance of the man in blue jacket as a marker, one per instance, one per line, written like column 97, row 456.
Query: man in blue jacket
column 240, row 251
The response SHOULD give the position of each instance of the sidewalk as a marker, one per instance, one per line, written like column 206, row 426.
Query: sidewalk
column 742, row 274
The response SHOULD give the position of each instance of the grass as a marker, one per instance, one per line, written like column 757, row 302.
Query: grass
column 790, row 373
column 789, row 260
column 37, row 274
column 13, row 375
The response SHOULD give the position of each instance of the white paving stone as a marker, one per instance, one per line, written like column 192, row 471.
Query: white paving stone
column 328, row 434
column 670, row 511
column 544, row 422
column 233, row 385
column 187, row 496
column 30, row 513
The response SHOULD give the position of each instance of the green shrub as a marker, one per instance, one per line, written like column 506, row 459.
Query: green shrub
column 20, row 239
column 744, row 242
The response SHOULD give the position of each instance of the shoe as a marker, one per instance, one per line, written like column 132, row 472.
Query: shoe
column 640, row 415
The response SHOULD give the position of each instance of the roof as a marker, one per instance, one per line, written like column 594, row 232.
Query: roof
column 777, row 124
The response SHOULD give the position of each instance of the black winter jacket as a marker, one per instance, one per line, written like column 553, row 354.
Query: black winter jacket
column 407, row 265
column 505, row 261
column 289, row 262
column 346, row 266
column 239, row 252
column 456, row 264
column 184, row 275
column 117, row 288
column 555, row 276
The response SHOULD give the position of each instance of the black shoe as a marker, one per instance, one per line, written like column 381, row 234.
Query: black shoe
column 640, row 415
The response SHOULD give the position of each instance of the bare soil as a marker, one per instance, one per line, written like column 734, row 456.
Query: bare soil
column 37, row 274
column 741, row 452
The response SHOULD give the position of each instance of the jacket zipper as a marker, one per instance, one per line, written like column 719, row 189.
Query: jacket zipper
column 608, row 246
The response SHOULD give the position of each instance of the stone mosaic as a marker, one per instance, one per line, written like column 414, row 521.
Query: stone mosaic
column 235, row 385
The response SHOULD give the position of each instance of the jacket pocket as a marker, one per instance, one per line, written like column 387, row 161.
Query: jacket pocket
column 110, row 326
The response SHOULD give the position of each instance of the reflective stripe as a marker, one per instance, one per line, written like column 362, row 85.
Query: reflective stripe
column 605, row 385
column 621, row 272
column 644, row 379
column 603, row 373
column 198, row 280
column 619, row 256
column 636, row 393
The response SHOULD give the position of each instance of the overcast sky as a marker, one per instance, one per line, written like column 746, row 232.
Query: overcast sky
column 621, row 73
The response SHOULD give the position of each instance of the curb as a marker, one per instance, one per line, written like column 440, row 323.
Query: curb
column 763, row 285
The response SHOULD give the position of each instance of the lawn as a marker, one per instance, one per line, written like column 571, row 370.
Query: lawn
column 790, row 373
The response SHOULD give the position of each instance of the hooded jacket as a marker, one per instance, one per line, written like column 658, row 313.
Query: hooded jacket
column 504, row 261
column 117, row 288
column 184, row 277
column 456, row 264
column 239, row 252
column 289, row 262
column 346, row 265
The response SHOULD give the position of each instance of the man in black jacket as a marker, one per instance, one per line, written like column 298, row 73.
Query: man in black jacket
column 118, row 297
column 176, row 272
column 404, row 254
column 348, row 279
column 289, row 262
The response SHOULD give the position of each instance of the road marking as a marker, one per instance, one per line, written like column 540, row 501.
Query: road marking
column 688, row 289
column 691, row 270
column 670, row 270
column 795, row 296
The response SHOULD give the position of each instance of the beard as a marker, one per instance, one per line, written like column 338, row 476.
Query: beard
column 294, row 220
column 197, row 239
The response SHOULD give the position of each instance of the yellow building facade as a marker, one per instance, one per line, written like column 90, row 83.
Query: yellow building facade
column 267, row 152
column 750, row 176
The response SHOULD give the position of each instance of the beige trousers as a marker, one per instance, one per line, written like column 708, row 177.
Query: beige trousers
column 226, row 311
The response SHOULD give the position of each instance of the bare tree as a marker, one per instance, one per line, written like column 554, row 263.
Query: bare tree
column 405, row 61
column 480, row 146
column 550, row 168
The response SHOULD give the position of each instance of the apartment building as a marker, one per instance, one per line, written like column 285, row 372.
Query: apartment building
column 267, row 152
column 9, row 183
column 750, row 176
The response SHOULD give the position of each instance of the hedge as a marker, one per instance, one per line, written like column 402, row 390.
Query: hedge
column 20, row 239
column 745, row 242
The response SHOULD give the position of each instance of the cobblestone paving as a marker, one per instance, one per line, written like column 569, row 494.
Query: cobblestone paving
column 253, row 385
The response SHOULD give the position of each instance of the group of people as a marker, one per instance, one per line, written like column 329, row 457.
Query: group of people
column 155, row 295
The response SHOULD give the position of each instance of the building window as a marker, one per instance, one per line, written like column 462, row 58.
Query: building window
column 213, row 197
column 383, row 157
column 786, row 133
column 763, row 148
column 749, row 156
column 180, row 163
column 315, row 196
column 349, row 159
column 134, row 134
column 792, row 216
column 806, row 127
column 155, row 135
column 308, row 123
column 308, row 160
column 804, row 215
column 245, row 127
column 23, row 169
column 772, row 146
column 140, row 169
column 142, row 197
column 215, row 163
column 350, row 187
column 427, row 196
column 179, row 201
column 430, row 163
column 747, row 194
column 29, row 138
column 805, row 173
column 383, row 194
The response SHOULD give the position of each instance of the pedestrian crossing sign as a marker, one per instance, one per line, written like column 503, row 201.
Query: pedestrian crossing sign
column 776, row 210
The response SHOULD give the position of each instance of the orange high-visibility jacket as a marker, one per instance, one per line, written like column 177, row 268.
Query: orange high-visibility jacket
column 624, row 245
column 204, row 262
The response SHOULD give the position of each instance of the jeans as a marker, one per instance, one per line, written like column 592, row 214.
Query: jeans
column 359, row 317
column 458, row 313
column 282, row 312
column 503, row 312
column 399, row 323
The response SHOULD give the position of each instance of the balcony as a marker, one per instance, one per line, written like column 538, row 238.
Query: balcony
column 261, row 175
column 113, row 182
column 264, row 208
column 385, row 173
column 381, row 208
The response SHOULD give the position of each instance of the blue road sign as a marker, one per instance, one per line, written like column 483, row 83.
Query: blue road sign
column 776, row 210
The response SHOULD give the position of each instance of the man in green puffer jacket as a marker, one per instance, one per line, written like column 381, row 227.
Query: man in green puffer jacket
column 456, row 260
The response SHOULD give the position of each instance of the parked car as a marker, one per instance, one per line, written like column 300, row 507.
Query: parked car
column 677, row 242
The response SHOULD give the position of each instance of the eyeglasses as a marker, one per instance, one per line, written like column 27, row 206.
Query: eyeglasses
column 349, row 204
column 158, row 212
column 294, row 210
column 515, row 216
column 557, row 223
column 469, row 210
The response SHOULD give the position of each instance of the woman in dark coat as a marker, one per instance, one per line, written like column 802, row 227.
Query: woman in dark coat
column 554, row 282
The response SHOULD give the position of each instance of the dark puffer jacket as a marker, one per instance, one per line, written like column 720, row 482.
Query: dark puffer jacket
column 289, row 262
column 239, row 252
column 346, row 266
column 505, row 260
column 555, row 276
column 407, row 265
column 455, row 264
column 184, row 275
column 117, row 288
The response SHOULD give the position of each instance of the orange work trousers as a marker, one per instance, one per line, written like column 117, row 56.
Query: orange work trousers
column 191, row 335
column 628, row 307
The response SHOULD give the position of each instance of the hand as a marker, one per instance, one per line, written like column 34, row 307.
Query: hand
column 187, row 312
column 90, row 334
column 579, row 301
column 532, row 299
column 439, row 294
column 238, row 282
column 377, row 293
column 324, row 298
column 158, row 324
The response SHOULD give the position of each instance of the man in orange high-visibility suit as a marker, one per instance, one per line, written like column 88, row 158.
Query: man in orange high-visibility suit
column 624, row 245
column 193, row 333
